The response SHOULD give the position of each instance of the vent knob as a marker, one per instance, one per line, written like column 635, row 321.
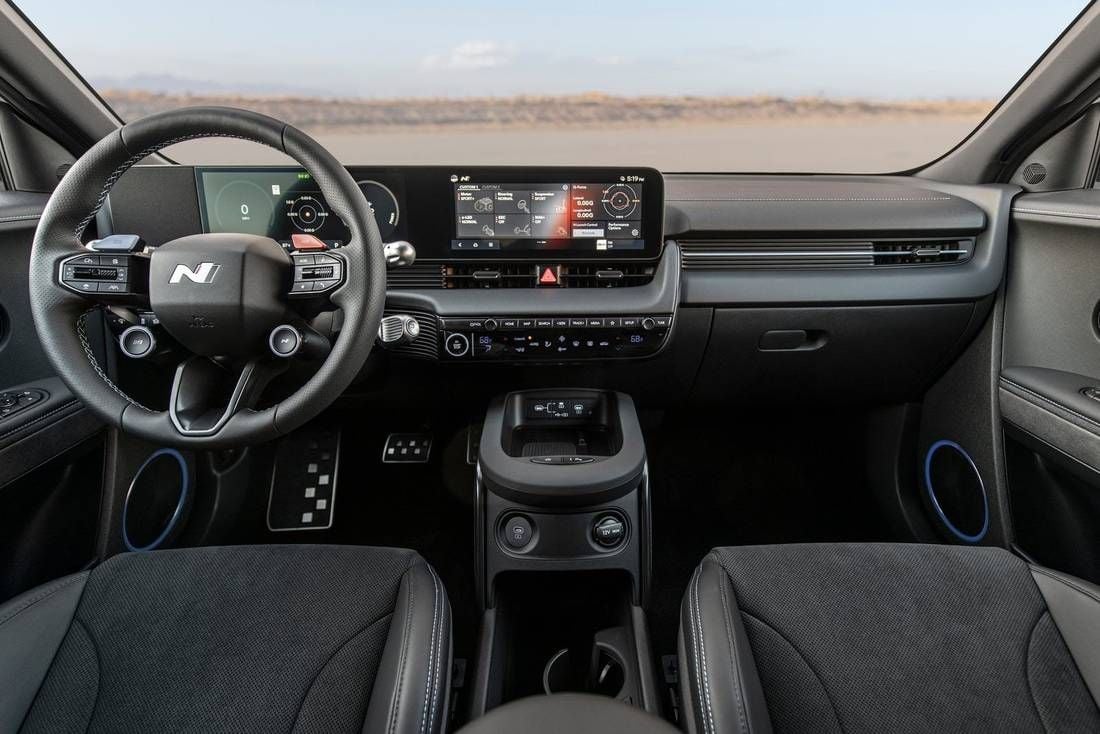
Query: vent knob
column 399, row 254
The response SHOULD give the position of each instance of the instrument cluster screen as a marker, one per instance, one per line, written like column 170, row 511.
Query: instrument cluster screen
column 594, row 217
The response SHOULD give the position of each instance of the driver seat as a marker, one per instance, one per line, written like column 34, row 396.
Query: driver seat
column 292, row 638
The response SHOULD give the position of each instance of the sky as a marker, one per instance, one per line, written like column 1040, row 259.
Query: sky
column 878, row 49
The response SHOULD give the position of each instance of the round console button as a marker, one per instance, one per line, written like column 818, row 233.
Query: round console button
column 517, row 532
column 490, row 324
column 648, row 323
column 137, row 342
column 457, row 345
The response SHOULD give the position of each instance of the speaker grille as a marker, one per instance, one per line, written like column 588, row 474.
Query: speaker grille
column 956, row 491
column 1034, row 173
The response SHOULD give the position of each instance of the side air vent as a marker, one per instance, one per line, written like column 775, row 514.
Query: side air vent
column 426, row 345
column 821, row 255
column 524, row 275
column 417, row 275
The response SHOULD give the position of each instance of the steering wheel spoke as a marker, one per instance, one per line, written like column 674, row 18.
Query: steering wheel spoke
column 207, row 394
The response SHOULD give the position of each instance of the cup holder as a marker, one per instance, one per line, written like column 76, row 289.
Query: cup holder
column 157, row 501
column 601, row 673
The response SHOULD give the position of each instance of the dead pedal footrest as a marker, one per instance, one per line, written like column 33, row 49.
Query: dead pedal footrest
column 303, row 482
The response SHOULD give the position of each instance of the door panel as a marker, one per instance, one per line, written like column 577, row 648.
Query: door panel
column 1050, row 361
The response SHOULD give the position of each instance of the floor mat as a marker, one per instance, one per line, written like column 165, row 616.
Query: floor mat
column 744, row 479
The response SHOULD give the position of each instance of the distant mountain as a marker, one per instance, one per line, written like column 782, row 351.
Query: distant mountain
column 170, row 84
column 593, row 110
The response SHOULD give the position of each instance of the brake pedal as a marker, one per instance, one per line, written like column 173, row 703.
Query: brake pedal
column 407, row 448
column 303, row 481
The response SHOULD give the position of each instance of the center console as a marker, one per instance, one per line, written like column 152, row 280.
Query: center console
column 564, row 549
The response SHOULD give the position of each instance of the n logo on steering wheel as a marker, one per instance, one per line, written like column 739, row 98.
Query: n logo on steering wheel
column 204, row 273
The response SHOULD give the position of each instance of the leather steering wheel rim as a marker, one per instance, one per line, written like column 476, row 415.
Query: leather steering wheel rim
column 59, row 314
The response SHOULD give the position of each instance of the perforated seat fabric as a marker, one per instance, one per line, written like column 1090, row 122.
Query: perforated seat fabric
column 233, row 639
column 887, row 637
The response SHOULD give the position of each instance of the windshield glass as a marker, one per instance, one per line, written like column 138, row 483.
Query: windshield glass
column 796, row 85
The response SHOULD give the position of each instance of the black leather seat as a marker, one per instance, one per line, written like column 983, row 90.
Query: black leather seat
column 887, row 638
column 241, row 639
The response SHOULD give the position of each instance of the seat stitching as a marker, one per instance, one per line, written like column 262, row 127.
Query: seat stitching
column 727, row 620
column 704, row 673
column 40, row 596
column 695, row 650
column 1067, row 582
column 1027, row 669
column 328, row 661
column 809, row 665
column 394, row 703
column 431, row 654
column 435, row 689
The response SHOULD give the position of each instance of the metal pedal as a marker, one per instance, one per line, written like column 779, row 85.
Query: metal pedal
column 407, row 448
column 303, row 482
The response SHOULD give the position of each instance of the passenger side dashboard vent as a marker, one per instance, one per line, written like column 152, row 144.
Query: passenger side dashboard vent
column 822, row 255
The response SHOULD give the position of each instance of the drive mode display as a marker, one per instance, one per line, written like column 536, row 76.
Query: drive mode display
column 592, row 217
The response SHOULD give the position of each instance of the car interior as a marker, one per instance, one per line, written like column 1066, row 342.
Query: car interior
column 335, row 446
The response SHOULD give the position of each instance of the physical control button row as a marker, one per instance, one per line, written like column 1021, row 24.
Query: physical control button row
column 510, row 323
column 562, row 460
column 100, row 274
column 316, row 273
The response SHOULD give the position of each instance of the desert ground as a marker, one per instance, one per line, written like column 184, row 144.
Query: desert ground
column 672, row 134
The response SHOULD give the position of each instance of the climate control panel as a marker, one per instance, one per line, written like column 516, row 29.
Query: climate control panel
column 554, row 338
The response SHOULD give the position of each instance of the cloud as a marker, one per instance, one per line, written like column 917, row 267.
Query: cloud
column 471, row 55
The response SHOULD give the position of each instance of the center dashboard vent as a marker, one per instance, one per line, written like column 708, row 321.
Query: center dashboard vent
column 822, row 255
column 531, row 275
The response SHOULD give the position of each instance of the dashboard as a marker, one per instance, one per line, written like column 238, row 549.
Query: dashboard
column 477, row 213
column 738, row 284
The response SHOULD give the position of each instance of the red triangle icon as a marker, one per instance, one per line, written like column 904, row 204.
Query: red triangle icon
column 548, row 277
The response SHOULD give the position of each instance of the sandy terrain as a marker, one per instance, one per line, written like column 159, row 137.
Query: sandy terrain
column 867, row 146
column 669, row 133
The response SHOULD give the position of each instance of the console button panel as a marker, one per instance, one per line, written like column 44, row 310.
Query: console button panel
column 554, row 338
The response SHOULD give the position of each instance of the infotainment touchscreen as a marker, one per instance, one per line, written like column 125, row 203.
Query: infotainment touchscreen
column 593, row 217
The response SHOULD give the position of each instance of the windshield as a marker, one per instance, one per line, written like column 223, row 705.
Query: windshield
column 856, row 86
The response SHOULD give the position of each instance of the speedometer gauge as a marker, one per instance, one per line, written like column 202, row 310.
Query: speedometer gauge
column 384, row 205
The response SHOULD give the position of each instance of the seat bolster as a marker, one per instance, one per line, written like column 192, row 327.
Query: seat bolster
column 1075, row 606
column 32, row 627
column 412, row 688
column 719, row 684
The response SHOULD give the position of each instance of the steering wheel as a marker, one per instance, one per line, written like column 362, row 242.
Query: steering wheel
column 220, row 296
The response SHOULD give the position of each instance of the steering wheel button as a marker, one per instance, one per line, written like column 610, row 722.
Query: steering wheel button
column 137, row 342
column 303, row 286
column 324, row 285
column 285, row 341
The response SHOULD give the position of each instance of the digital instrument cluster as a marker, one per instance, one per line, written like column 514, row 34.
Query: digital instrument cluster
column 501, row 212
